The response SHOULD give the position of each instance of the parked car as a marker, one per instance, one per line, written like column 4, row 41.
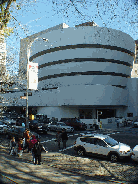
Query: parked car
column 102, row 145
column 2, row 127
column 9, row 121
column 135, row 153
column 135, row 124
column 16, row 131
column 75, row 123
column 37, row 126
column 20, row 120
column 59, row 126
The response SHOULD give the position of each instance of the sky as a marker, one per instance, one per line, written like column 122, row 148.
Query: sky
column 39, row 15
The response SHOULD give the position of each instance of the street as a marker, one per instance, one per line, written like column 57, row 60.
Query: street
column 129, row 137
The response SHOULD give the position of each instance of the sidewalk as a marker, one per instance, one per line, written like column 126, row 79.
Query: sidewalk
column 22, row 170
column 113, row 127
column 61, row 168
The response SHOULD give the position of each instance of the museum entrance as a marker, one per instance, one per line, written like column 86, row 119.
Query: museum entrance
column 92, row 113
column 106, row 113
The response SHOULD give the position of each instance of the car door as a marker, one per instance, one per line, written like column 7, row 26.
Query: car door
column 52, row 126
column 58, row 127
column 100, row 148
column 87, row 144
column 91, row 144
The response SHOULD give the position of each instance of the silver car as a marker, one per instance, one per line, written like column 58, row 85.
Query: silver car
column 59, row 126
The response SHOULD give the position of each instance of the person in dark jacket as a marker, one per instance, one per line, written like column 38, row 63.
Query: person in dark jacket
column 31, row 145
column 64, row 138
column 37, row 149
column 58, row 138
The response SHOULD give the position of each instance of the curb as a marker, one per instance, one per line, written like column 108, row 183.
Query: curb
column 6, row 179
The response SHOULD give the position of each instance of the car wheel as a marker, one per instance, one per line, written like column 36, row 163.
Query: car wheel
column 81, row 152
column 114, row 157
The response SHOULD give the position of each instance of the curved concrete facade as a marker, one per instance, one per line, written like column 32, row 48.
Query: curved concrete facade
column 89, row 65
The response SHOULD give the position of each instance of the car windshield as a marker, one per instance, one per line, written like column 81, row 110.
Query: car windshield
column 62, row 124
column 111, row 141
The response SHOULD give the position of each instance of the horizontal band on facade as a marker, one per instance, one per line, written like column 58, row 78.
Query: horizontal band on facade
column 83, row 73
column 118, row 86
column 81, row 46
column 83, row 60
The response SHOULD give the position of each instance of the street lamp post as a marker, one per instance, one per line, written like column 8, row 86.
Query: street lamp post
column 28, row 56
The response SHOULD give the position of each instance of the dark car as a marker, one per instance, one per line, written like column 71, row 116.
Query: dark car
column 37, row 126
column 20, row 120
column 32, row 124
column 75, row 123
column 16, row 131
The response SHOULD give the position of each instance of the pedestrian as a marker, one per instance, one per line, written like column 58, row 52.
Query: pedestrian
column 58, row 138
column 20, row 147
column 117, row 123
column 64, row 137
column 31, row 145
column 12, row 146
column 27, row 139
column 37, row 149
column 125, row 123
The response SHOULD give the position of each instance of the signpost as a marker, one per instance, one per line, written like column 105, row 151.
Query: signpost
column 33, row 75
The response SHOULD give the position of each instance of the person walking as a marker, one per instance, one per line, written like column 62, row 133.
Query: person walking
column 31, row 145
column 20, row 147
column 58, row 138
column 37, row 149
column 27, row 139
column 64, row 138
column 12, row 146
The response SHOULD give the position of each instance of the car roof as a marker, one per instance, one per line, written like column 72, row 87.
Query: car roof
column 100, row 136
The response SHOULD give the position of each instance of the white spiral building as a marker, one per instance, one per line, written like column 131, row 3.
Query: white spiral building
column 81, row 70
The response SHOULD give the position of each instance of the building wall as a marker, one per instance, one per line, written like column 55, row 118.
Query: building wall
column 132, row 87
column 24, row 43
column 59, row 112
column 89, row 65
column 82, row 66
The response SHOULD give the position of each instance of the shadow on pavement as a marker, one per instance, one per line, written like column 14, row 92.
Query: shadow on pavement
column 21, row 170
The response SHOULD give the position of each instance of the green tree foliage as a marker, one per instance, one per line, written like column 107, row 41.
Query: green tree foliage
column 5, row 12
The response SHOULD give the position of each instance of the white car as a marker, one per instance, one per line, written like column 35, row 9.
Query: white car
column 102, row 145
column 59, row 126
column 135, row 153
column 135, row 124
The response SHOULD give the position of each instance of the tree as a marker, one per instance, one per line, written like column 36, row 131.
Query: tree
column 5, row 12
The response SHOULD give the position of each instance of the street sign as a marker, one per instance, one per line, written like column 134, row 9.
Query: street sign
column 33, row 75
column 99, row 112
